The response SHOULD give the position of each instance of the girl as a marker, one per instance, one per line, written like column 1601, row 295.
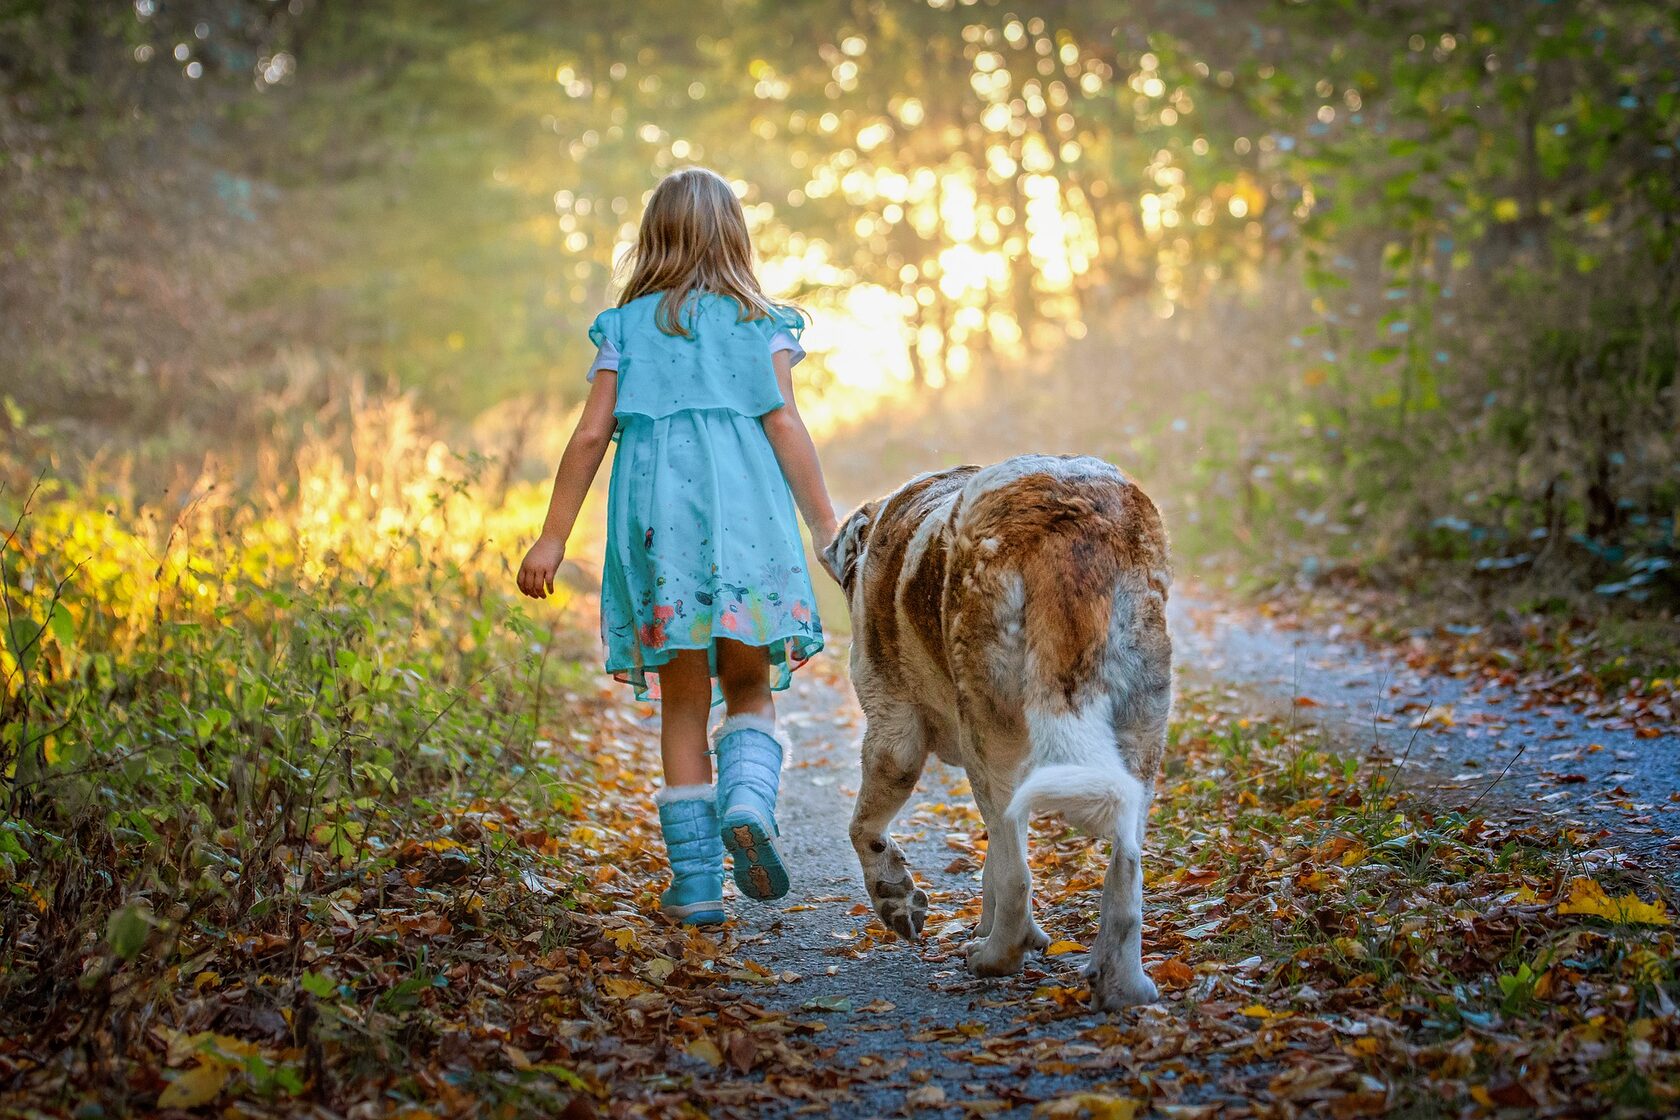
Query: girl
column 705, row 577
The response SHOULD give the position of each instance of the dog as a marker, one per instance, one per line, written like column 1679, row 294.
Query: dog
column 1011, row 620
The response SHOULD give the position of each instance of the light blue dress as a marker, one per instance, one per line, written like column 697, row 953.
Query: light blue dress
column 702, row 537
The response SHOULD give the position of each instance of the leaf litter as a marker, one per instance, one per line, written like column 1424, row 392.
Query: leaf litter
column 1324, row 943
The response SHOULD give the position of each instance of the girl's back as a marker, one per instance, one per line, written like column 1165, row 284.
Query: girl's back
column 723, row 362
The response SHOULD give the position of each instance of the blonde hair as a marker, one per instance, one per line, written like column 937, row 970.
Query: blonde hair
column 693, row 238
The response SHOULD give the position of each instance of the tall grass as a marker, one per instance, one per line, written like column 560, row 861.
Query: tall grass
column 220, row 706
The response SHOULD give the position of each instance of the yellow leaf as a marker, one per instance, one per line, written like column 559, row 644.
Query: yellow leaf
column 1585, row 896
column 197, row 1086
column 706, row 1050
column 1057, row 948
column 1351, row 949
column 623, row 938
column 1506, row 210
column 620, row 987
column 1097, row 1106
column 1479, row 1094
column 1256, row 1011
column 1316, row 881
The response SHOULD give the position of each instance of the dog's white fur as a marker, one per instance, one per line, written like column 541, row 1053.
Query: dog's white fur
column 963, row 648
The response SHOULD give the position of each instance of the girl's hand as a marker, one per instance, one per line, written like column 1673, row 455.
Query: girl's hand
column 822, row 535
column 536, row 574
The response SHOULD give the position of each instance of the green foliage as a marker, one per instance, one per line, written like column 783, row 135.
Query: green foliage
column 1479, row 201
column 217, row 715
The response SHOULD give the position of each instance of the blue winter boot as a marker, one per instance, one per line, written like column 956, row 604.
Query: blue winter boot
column 749, row 767
column 688, row 818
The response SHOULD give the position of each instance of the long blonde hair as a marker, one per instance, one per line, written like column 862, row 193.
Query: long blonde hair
column 693, row 238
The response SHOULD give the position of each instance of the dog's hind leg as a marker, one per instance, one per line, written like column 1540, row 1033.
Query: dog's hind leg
column 1006, row 902
column 992, row 810
column 1115, row 970
column 894, row 750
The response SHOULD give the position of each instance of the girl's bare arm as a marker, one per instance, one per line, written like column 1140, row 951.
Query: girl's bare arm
column 797, row 455
column 584, row 452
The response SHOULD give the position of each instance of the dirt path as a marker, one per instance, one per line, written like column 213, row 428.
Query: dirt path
column 915, row 1032
column 1460, row 743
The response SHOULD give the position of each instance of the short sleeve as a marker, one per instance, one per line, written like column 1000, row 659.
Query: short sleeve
column 606, row 357
column 781, row 341
column 607, row 333
column 785, row 325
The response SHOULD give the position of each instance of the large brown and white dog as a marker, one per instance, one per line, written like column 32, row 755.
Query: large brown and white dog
column 1012, row 620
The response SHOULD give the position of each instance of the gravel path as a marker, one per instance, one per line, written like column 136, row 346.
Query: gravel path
column 909, row 1023
column 1537, row 761
column 916, row 1033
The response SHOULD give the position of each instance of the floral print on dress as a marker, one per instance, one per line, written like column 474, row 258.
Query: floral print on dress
column 774, row 614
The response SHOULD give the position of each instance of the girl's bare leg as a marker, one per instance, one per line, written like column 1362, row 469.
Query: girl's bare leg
column 685, row 689
column 744, row 675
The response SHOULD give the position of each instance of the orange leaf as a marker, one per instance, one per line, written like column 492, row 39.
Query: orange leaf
column 1174, row 974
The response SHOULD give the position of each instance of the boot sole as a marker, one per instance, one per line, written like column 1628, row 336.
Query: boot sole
column 709, row 913
column 757, row 866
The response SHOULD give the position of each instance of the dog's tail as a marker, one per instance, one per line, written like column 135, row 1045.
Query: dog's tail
column 1089, row 786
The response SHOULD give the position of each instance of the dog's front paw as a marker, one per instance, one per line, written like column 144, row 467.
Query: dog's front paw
column 1036, row 938
column 1115, row 988
column 904, row 914
column 993, row 956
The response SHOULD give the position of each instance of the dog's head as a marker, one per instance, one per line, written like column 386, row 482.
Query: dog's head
column 844, row 552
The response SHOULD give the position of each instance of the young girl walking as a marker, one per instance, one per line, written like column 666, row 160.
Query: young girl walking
column 705, row 578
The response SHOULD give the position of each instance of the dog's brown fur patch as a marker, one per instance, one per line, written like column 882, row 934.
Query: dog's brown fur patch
column 890, row 530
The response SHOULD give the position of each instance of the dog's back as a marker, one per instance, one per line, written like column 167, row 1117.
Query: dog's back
column 1061, row 604
column 1028, row 599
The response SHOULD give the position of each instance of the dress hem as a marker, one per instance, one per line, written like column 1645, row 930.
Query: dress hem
column 808, row 645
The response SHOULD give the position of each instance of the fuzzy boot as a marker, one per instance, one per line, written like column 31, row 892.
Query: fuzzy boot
column 688, row 818
column 749, row 766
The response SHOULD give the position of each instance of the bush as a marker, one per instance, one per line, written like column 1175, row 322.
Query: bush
column 217, row 713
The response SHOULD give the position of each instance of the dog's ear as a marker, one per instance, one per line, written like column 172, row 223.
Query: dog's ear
column 841, row 555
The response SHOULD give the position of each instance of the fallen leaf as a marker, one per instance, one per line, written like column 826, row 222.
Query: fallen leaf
column 1174, row 974
column 706, row 1050
column 195, row 1087
column 1586, row 896
column 1096, row 1106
